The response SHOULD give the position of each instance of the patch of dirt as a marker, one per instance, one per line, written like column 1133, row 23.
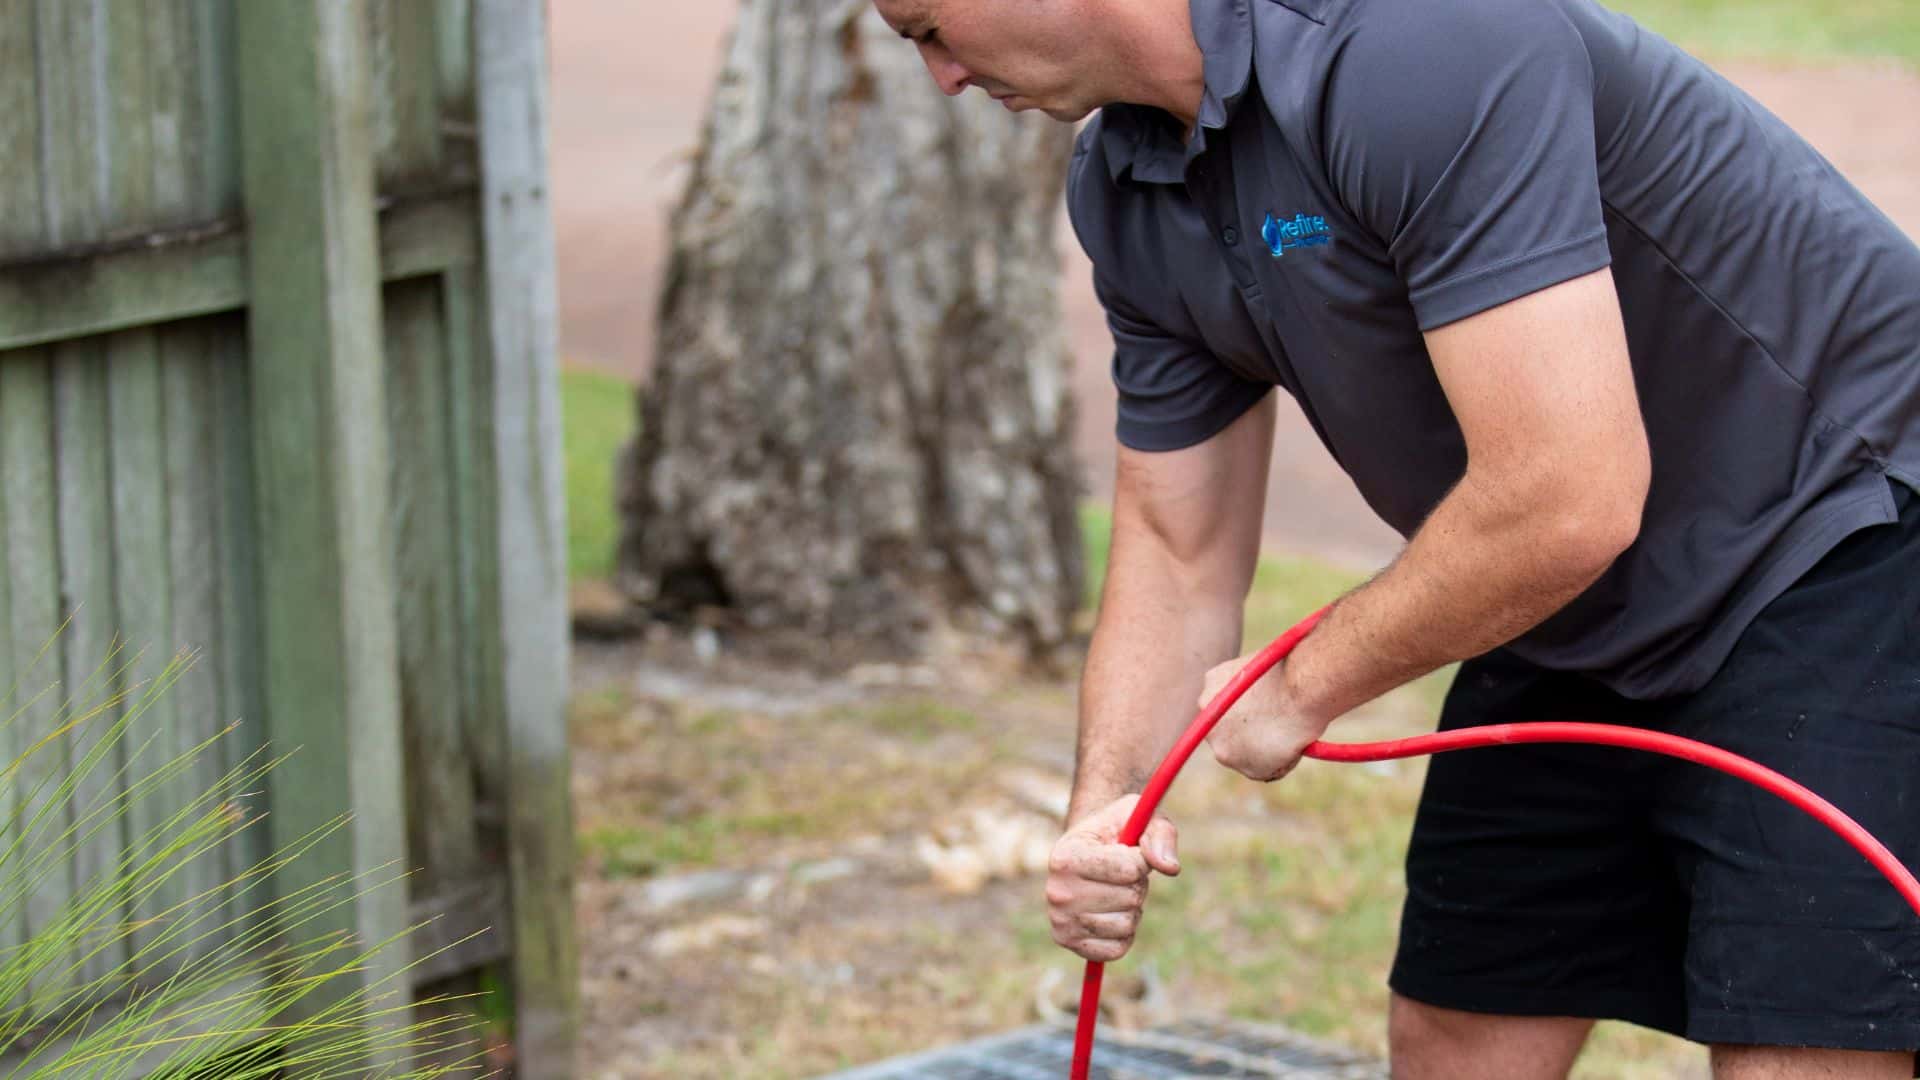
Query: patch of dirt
column 783, row 874
column 630, row 88
column 815, row 920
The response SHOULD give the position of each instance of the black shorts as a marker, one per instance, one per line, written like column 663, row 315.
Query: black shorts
column 1607, row 883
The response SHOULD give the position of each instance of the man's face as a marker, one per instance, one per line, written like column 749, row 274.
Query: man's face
column 1027, row 54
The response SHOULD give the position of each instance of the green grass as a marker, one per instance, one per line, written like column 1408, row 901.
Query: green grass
column 628, row 851
column 597, row 414
column 1789, row 30
column 920, row 720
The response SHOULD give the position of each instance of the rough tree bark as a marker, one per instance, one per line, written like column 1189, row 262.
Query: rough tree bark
column 858, row 424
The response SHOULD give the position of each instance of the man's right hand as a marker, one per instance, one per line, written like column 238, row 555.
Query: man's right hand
column 1097, row 886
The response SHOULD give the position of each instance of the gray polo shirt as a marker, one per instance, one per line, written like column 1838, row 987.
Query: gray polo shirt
column 1365, row 170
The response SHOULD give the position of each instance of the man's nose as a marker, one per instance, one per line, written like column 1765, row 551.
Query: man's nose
column 948, row 73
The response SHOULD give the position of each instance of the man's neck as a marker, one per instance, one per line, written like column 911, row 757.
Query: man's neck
column 1166, row 70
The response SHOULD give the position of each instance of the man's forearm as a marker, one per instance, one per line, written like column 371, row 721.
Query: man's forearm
column 1484, row 569
column 1144, row 667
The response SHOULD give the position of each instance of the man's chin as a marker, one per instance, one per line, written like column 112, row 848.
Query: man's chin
column 1067, row 114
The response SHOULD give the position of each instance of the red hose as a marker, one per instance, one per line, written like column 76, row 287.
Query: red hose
column 1467, row 738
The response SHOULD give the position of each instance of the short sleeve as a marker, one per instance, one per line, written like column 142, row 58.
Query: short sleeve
column 1172, row 391
column 1172, row 394
column 1463, row 136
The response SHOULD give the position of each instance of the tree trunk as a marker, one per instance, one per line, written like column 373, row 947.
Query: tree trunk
column 858, row 424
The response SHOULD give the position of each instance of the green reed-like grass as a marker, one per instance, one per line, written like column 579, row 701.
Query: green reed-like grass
column 232, row 982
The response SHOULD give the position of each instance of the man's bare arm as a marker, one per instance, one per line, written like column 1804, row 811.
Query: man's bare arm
column 1186, row 539
column 1556, row 478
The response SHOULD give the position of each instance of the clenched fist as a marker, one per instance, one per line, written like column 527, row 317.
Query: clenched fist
column 1263, row 736
column 1097, row 886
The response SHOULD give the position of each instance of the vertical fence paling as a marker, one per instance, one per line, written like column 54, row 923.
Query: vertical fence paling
column 321, row 450
column 19, row 227
column 187, row 185
column 26, row 443
column 84, row 483
column 239, row 587
column 71, row 119
column 510, row 55
column 471, row 450
column 442, row 840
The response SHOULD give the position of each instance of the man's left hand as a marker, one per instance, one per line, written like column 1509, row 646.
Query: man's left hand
column 1264, row 734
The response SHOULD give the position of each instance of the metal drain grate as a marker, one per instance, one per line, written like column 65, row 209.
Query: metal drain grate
column 1195, row 1048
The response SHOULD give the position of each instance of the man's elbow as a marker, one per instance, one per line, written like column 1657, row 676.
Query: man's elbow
column 1601, row 518
column 1588, row 542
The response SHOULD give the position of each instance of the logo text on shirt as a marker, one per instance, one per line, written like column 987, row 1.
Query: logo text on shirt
column 1303, row 230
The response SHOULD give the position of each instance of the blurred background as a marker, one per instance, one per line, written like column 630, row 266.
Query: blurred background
column 791, row 869
column 631, row 90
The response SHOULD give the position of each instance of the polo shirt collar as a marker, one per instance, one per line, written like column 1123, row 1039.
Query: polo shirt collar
column 1144, row 141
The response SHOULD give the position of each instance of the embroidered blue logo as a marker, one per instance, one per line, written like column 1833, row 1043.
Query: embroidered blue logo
column 1304, row 230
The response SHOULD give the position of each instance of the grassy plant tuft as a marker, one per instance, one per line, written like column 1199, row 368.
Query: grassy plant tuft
column 231, row 982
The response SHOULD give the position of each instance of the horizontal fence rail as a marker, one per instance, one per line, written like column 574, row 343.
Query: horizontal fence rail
column 201, row 270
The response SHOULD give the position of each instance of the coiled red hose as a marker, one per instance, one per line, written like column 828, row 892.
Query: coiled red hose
column 1496, row 735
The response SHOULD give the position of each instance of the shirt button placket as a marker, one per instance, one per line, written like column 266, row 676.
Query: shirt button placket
column 1209, row 194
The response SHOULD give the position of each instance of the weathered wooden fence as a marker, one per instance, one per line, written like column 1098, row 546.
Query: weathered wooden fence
column 277, row 385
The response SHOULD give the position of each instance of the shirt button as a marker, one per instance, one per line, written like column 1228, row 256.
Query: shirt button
column 1231, row 235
